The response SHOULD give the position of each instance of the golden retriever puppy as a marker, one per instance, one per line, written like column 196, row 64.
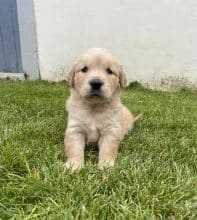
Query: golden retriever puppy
column 95, row 112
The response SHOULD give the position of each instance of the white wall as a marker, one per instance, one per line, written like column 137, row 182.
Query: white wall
column 155, row 40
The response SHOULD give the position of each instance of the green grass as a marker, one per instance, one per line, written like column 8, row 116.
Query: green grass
column 155, row 176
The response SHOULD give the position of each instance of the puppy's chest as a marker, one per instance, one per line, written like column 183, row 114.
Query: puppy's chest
column 92, row 132
column 96, row 124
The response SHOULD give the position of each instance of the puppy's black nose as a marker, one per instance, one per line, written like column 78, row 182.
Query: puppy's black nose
column 96, row 84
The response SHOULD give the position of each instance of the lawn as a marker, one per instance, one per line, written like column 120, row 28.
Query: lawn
column 155, row 176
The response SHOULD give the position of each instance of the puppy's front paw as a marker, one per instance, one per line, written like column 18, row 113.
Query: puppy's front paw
column 73, row 165
column 105, row 164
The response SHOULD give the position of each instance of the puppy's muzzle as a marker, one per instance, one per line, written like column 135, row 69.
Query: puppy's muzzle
column 95, row 87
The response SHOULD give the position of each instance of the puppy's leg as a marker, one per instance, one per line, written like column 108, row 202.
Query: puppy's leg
column 108, row 149
column 74, row 148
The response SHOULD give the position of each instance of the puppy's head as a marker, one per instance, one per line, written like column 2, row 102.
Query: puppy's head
column 97, row 75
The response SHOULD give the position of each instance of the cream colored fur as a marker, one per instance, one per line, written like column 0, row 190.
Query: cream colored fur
column 103, row 120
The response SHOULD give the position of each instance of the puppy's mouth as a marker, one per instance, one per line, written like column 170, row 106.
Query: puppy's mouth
column 96, row 97
column 95, row 94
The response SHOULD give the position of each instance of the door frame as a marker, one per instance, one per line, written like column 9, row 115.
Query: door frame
column 28, row 42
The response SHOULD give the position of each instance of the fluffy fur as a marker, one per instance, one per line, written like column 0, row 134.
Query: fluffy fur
column 96, row 116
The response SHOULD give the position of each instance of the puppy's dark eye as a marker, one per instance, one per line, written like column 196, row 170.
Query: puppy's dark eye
column 84, row 69
column 109, row 71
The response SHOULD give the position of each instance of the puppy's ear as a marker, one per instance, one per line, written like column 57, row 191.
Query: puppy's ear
column 122, row 78
column 71, row 75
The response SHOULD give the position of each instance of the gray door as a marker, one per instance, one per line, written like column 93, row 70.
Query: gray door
column 10, row 56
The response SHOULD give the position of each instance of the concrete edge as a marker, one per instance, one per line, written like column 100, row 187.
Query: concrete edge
column 12, row 76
